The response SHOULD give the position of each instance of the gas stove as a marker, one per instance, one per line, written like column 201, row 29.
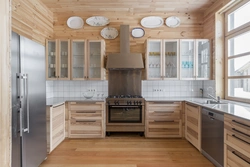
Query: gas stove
column 125, row 100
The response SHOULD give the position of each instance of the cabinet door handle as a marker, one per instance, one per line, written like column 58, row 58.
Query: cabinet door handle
column 241, row 123
column 240, row 139
column 240, row 132
column 192, row 105
column 164, row 111
column 163, row 121
column 85, row 111
column 240, row 157
column 85, row 121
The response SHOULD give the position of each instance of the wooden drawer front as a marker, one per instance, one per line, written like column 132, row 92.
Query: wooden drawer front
column 86, row 114
column 237, row 124
column 163, row 128
column 192, row 136
column 158, row 106
column 78, row 106
column 164, row 114
column 85, row 128
column 238, row 140
column 235, row 159
column 192, row 109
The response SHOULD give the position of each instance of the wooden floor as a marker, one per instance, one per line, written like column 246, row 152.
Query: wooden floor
column 126, row 150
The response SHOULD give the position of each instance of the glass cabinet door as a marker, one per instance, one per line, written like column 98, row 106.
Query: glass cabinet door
column 51, row 60
column 170, row 59
column 64, row 59
column 154, row 53
column 94, row 61
column 78, row 60
column 203, row 59
column 187, row 63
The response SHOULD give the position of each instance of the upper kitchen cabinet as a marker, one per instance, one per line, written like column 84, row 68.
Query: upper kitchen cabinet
column 57, row 58
column 195, row 59
column 88, row 59
column 162, row 59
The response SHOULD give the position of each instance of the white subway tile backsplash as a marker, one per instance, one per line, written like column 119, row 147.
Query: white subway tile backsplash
column 175, row 88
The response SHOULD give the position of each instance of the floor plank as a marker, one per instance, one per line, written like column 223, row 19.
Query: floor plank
column 123, row 151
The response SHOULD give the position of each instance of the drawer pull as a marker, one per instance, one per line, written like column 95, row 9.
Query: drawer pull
column 85, row 111
column 240, row 132
column 164, row 111
column 192, row 105
column 163, row 121
column 163, row 102
column 240, row 139
column 240, row 157
column 85, row 121
column 241, row 123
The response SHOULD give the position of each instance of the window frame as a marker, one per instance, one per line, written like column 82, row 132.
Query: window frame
column 228, row 35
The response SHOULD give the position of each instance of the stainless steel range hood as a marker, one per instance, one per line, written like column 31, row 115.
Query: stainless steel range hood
column 124, row 59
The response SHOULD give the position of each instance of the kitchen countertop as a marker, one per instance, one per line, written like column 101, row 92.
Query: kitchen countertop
column 238, row 109
column 59, row 100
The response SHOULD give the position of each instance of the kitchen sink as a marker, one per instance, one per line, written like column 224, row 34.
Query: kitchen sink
column 214, row 102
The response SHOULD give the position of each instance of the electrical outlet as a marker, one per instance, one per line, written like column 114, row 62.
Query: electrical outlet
column 92, row 90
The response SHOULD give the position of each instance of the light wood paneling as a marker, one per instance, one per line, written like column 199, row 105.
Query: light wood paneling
column 32, row 19
column 136, row 6
column 126, row 151
column 5, row 111
column 191, row 27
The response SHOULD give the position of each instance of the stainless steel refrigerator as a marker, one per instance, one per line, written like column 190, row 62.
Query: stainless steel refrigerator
column 28, row 102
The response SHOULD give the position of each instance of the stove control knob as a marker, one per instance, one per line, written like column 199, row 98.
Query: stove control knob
column 140, row 102
column 116, row 102
column 129, row 102
column 134, row 102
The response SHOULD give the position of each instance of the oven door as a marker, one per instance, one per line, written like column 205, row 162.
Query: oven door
column 125, row 115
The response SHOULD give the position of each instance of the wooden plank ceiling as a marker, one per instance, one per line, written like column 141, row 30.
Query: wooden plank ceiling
column 133, row 6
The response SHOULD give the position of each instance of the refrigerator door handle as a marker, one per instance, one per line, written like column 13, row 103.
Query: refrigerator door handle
column 25, row 77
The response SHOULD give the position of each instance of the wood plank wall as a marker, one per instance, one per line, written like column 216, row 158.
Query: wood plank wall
column 5, row 114
column 32, row 19
column 191, row 27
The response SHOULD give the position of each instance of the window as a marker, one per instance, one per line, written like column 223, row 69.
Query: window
column 237, row 41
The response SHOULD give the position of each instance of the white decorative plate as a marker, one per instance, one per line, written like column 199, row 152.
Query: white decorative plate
column 152, row 22
column 173, row 21
column 109, row 33
column 138, row 32
column 97, row 21
column 75, row 22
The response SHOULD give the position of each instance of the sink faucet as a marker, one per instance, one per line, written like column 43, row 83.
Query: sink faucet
column 211, row 96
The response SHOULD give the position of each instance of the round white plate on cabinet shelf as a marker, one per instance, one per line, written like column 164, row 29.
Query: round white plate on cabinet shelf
column 152, row 22
column 109, row 33
column 75, row 22
column 173, row 21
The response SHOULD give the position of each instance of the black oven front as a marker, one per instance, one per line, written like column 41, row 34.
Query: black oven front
column 125, row 114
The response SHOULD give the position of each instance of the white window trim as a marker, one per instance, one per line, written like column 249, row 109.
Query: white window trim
column 233, row 33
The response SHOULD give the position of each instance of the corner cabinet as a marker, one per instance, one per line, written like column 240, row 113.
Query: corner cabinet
column 58, row 60
column 193, row 124
column 195, row 59
column 162, row 59
column 88, row 59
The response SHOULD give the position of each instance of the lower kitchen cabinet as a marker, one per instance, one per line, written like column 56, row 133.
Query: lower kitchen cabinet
column 86, row 120
column 55, row 126
column 163, row 119
column 193, row 124
column 236, row 142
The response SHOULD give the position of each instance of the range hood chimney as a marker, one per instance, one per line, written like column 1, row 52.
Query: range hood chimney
column 125, row 59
